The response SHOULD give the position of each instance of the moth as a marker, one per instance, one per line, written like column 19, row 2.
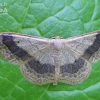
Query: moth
column 44, row 60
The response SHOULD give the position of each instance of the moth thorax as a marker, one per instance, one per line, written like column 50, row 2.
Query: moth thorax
column 57, row 44
column 57, row 51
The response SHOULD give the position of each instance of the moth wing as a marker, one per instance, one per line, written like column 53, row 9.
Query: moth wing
column 40, row 69
column 87, row 45
column 78, row 53
column 19, row 48
column 32, row 54
column 74, row 68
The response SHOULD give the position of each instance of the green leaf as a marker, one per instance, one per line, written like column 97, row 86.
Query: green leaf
column 48, row 18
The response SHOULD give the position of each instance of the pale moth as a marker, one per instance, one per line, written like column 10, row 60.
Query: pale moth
column 44, row 60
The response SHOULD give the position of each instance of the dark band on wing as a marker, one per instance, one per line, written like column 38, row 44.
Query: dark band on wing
column 93, row 48
column 40, row 68
column 74, row 67
column 8, row 41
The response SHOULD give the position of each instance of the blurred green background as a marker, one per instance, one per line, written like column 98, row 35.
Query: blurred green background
column 48, row 18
